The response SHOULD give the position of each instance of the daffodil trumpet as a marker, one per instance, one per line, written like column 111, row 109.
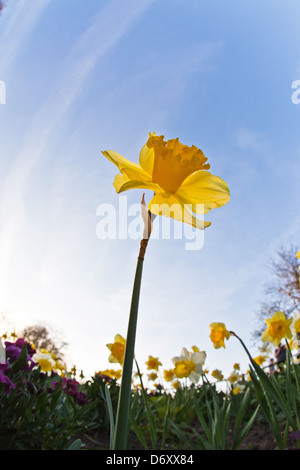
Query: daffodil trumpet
column 122, row 417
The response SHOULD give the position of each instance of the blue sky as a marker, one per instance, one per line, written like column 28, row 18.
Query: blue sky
column 85, row 77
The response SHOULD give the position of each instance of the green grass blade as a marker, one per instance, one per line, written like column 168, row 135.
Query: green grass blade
column 151, row 421
column 138, row 431
column 165, row 426
column 110, row 414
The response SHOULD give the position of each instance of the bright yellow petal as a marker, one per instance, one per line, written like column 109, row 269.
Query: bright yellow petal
column 298, row 254
column 133, row 170
column 169, row 205
column 119, row 339
column 204, row 191
column 123, row 183
column 147, row 157
column 112, row 359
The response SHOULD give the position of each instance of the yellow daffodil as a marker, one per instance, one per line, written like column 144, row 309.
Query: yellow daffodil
column 117, row 350
column 234, row 377
column 176, row 384
column 218, row 333
column 278, row 328
column 189, row 365
column 178, row 176
column 152, row 376
column 168, row 375
column 259, row 359
column 298, row 254
column 296, row 324
column 237, row 389
column 153, row 363
column 248, row 376
column 217, row 374
column 236, row 366
column 59, row 366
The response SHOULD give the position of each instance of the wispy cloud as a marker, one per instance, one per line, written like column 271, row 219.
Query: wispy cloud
column 246, row 139
column 106, row 30
column 22, row 19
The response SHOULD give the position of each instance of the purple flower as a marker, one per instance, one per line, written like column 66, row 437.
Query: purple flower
column 4, row 379
column 13, row 351
column 81, row 398
column 69, row 386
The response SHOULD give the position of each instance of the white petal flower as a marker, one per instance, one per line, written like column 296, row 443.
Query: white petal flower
column 44, row 360
column 189, row 365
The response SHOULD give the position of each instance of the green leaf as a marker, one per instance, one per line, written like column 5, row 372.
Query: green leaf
column 165, row 427
column 21, row 362
column 110, row 414
column 238, row 439
column 138, row 431
column 76, row 445
column 149, row 414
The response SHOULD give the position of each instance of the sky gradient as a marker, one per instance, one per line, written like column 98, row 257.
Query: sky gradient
column 85, row 77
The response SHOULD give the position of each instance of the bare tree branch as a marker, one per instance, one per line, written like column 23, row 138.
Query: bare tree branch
column 282, row 291
column 39, row 336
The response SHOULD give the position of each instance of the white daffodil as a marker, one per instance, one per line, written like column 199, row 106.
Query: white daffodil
column 189, row 365
column 44, row 360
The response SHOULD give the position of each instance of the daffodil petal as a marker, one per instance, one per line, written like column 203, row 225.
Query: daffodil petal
column 112, row 359
column 185, row 353
column 194, row 377
column 204, row 191
column 199, row 356
column 146, row 158
column 133, row 170
column 123, row 183
column 169, row 205
column 119, row 339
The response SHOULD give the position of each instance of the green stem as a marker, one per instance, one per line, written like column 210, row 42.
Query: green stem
column 121, row 427
column 122, row 417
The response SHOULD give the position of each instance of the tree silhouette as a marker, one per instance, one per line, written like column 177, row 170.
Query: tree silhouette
column 39, row 336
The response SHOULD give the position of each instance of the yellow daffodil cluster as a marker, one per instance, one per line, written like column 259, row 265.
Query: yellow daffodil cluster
column 113, row 374
column 189, row 365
